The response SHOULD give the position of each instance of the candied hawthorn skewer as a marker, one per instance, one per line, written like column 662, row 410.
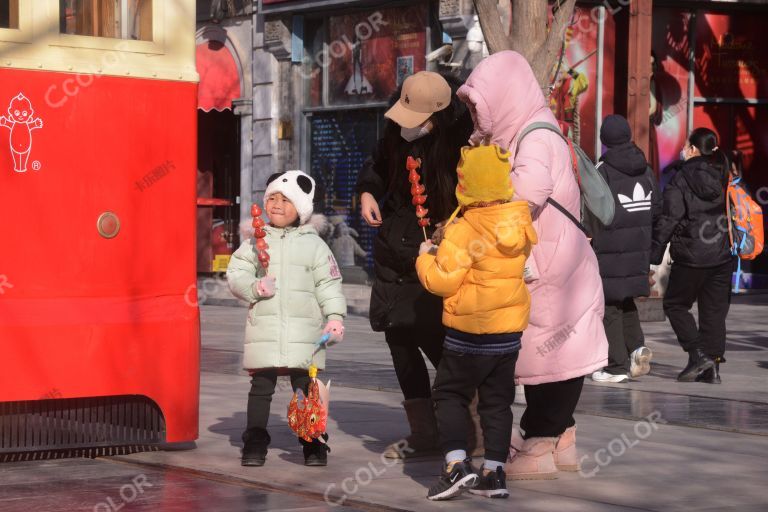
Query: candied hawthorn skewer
column 259, row 234
column 417, row 191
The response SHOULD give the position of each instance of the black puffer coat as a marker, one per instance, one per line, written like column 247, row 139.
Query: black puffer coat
column 398, row 299
column 694, row 217
column 624, row 248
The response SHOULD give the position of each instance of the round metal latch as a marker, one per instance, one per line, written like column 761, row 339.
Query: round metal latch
column 108, row 225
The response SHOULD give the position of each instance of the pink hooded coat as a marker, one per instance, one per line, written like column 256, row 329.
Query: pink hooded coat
column 565, row 338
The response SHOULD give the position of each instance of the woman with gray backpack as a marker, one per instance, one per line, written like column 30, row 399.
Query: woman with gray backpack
column 565, row 339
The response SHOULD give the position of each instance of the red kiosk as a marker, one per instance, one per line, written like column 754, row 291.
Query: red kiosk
column 99, row 324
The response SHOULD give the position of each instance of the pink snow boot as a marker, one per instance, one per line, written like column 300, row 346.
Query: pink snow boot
column 566, row 456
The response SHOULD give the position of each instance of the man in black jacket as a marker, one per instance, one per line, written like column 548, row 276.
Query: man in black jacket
column 623, row 250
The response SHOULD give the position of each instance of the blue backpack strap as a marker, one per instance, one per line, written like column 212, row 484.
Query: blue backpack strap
column 737, row 286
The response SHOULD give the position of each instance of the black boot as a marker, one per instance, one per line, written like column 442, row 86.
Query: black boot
column 698, row 361
column 255, row 448
column 711, row 376
column 316, row 452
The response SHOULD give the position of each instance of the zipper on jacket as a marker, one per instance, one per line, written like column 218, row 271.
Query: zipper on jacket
column 283, row 325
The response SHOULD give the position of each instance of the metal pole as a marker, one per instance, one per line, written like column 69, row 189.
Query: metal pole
column 600, row 73
column 691, row 71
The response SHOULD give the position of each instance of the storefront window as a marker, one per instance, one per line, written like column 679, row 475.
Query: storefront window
column 340, row 142
column 314, row 37
column 362, row 58
column 352, row 65
column 9, row 13
column 119, row 19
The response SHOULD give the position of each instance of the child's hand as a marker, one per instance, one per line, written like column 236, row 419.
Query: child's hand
column 439, row 233
column 264, row 287
column 427, row 246
column 335, row 329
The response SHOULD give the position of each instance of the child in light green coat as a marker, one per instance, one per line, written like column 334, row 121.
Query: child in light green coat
column 289, row 303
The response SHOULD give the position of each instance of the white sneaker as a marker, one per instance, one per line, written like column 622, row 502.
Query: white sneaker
column 640, row 362
column 601, row 376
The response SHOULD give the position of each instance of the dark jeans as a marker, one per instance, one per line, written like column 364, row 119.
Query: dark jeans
column 263, row 384
column 550, row 407
column 625, row 335
column 410, row 368
column 459, row 377
column 711, row 288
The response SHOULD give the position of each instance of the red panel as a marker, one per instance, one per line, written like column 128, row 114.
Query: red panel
column 87, row 315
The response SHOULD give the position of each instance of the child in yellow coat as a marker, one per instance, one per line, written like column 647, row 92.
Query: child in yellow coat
column 478, row 270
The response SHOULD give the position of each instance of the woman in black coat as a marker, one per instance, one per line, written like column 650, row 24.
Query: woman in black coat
column 694, row 221
column 411, row 317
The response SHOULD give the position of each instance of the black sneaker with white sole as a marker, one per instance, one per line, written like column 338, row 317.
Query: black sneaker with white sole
column 453, row 482
column 492, row 484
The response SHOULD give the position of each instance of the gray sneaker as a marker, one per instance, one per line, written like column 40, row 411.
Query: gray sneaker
column 640, row 362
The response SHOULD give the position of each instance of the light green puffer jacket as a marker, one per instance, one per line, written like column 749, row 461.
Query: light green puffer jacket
column 282, row 330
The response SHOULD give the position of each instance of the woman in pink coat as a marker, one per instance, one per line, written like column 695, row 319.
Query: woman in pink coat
column 565, row 339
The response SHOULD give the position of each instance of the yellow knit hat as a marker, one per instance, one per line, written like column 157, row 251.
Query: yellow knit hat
column 483, row 175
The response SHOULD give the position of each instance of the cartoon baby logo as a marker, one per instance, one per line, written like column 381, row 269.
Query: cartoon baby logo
column 21, row 123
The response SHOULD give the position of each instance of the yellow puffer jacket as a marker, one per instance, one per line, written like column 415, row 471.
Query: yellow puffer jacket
column 478, row 269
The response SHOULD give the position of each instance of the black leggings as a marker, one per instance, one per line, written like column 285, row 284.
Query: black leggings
column 263, row 384
column 550, row 407
column 411, row 370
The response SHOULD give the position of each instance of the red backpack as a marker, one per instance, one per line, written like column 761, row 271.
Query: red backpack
column 745, row 224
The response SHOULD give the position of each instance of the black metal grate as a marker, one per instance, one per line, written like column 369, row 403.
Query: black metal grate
column 80, row 426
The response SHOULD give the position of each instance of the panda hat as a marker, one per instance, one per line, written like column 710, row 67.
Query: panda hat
column 298, row 187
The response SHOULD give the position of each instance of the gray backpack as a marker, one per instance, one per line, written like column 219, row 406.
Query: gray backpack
column 597, row 202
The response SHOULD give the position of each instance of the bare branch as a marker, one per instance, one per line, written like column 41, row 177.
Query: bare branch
column 548, row 53
column 490, row 23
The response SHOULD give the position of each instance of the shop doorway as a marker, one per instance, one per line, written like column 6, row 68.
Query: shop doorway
column 218, row 188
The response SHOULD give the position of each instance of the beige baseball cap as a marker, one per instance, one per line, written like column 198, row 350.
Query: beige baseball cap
column 423, row 94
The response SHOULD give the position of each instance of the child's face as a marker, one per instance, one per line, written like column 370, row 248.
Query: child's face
column 280, row 210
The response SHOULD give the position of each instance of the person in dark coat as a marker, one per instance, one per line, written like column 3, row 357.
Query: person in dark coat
column 426, row 121
column 695, row 222
column 624, row 250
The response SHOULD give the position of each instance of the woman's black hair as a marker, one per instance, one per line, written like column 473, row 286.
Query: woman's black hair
column 705, row 140
column 737, row 161
column 439, row 151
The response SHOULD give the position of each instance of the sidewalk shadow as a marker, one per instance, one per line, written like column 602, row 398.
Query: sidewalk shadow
column 234, row 425
column 382, row 426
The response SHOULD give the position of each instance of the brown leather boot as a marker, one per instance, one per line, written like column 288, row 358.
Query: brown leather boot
column 423, row 439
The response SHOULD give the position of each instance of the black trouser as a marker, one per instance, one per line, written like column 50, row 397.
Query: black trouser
column 550, row 407
column 711, row 288
column 410, row 368
column 263, row 384
column 624, row 333
column 459, row 377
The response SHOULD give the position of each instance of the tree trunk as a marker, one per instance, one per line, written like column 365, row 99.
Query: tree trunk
column 490, row 23
column 530, row 35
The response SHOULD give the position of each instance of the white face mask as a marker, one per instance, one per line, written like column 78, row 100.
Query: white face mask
column 411, row 134
column 682, row 154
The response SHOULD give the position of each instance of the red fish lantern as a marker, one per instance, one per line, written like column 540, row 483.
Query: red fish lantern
column 417, row 191
column 308, row 415
column 259, row 234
